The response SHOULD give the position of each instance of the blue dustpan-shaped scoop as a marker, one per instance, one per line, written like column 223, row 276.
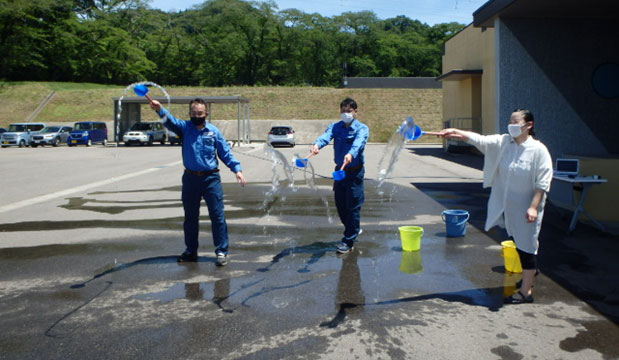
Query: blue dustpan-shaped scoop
column 418, row 133
column 414, row 134
column 141, row 90
column 412, row 131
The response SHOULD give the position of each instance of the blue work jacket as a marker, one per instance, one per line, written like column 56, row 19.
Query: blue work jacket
column 201, row 147
column 346, row 140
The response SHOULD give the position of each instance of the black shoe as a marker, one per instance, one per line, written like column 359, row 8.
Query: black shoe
column 222, row 260
column 518, row 298
column 187, row 257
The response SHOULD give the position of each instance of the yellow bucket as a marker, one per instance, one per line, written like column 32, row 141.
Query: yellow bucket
column 411, row 237
column 411, row 262
column 509, row 283
column 510, row 255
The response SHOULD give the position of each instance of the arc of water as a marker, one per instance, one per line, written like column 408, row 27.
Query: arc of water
column 278, row 159
column 392, row 150
column 311, row 182
column 129, row 88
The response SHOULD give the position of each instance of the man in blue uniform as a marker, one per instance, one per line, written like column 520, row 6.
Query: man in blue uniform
column 202, row 144
column 349, row 139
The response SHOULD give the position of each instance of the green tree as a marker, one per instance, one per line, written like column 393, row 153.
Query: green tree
column 217, row 43
column 23, row 38
column 108, row 56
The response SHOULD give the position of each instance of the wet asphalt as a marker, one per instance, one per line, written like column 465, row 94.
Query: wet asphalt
column 89, row 239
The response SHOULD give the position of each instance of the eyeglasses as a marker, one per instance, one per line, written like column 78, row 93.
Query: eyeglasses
column 197, row 114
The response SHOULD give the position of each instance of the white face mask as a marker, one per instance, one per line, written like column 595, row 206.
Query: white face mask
column 514, row 130
column 348, row 117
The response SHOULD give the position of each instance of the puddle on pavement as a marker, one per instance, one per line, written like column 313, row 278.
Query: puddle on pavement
column 48, row 251
column 302, row 260
column 217, row 290
column 244, row 291
column 315, row 250
column 592, row 337
column 304, row 204
column 78, row 203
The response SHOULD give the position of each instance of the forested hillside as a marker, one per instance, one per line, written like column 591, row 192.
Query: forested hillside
column 218, row 43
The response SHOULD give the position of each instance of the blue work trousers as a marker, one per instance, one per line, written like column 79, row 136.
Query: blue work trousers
column 196, row 188
column 349, row 196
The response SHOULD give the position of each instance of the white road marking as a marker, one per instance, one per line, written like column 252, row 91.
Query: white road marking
column 66, row 192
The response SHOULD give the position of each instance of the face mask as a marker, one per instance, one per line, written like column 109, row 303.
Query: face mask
column 198, row 120
column 347, row 117
column 514, row 130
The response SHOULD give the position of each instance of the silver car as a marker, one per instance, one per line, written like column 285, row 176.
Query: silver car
column 146, row 133
column 174, row 138
column 51, row 135
column 281, row 135
column 19, row 134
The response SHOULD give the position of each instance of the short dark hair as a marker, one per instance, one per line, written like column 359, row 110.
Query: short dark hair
column 197, row 101
column 528, row 117
column 348, row 101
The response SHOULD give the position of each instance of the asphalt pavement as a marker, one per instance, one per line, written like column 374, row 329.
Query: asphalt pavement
column 89, row 239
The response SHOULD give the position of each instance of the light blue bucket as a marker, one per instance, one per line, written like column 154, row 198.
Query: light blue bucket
column 455, row 222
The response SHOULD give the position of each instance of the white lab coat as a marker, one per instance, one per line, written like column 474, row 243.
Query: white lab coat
column 514, row 172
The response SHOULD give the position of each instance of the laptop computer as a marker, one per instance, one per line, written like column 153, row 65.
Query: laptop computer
column 567, row 167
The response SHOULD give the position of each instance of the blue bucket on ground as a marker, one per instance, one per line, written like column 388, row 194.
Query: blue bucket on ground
column 455, row 222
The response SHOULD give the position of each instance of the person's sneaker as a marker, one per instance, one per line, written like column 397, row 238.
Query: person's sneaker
column 222, row 260
column 187, row 257
column 344, row 248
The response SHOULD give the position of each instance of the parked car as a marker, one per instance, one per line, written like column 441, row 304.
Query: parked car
column 145, row 133
column 281, row 135
column 2, row 130
column 19, row 134
column 88, row 133
column 51, row 135
column 174, row 138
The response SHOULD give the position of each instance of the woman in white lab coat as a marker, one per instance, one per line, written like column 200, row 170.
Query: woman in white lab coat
column 519, row 170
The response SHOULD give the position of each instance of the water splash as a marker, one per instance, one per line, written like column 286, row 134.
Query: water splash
column 392, row 150
column 310, row 179
column 275, row 192
column 129, row 88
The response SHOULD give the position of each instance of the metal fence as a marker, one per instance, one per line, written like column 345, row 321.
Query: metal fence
column 462, row 123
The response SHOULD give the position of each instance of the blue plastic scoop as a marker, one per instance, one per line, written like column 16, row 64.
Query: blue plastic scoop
column 142, row 90
column 302, row 162
column 412, row 131
column 339, row 175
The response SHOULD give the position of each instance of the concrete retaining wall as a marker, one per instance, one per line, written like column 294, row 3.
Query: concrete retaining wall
column 306, row 131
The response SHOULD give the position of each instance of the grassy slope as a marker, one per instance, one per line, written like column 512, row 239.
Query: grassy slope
column 381, row 109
